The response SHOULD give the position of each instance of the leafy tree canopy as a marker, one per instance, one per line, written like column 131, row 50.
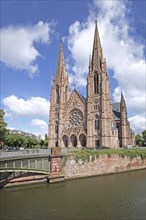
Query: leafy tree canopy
column 144, row 135
column 138, row 139
column 19, row 140
column 3, row 125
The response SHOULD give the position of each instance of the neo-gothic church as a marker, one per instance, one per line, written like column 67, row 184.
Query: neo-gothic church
column 76, row 121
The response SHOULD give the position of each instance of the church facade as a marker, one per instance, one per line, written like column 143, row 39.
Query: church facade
column 76, row 121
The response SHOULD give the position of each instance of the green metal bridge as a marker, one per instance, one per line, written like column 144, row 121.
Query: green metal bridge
column 33, row 164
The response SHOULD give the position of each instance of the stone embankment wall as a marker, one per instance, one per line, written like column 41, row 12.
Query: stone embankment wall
column 100, row 166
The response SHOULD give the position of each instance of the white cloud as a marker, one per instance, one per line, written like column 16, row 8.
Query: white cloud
column 80, row 42
column 17, row 45
column 34, row 106
column 42, row 127
column 40, row 123
column 124, row 55
column 138, row 123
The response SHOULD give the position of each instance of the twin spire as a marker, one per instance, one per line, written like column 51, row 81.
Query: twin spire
column 96, row 53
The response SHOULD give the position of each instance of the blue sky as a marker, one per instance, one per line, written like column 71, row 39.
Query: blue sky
column 30, row 36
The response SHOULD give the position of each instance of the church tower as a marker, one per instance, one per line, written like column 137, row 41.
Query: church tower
column 60, row 94
column 99, row 107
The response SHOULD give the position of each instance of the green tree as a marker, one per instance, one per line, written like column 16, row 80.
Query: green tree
column 42, row 143
column 144, row 135
column 3, row 126
column 20, row 140
column 46, row 143
column 46, row 137
column 138, row 139
column 33, row 142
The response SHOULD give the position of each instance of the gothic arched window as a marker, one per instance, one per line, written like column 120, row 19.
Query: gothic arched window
column 57, row 94
column 96, row 122
column 66, row 93
column 56, row 128
column 96, row 83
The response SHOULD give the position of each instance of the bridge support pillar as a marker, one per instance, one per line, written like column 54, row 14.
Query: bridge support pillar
column 56, row 172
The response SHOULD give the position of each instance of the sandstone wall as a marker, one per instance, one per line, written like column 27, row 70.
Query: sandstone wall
column 102, row 165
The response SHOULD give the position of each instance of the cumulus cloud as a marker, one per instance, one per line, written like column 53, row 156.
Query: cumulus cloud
column 124, row 55
column 41, row 126
column 80, row 42
column 40, row 123
column 34, row 106
column 138, row 123
column 17, row 45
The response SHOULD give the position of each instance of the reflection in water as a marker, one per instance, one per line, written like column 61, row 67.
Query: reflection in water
column 118, row 196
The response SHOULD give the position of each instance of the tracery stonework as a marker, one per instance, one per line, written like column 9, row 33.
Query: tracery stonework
column 76, row 118
column 76, row 121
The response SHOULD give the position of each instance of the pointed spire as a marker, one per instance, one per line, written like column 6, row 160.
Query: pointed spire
column 61, row 64
column 123, row 103
column 123, row 106
column 97, row 50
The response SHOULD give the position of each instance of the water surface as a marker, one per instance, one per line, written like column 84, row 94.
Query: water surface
column 112, row 197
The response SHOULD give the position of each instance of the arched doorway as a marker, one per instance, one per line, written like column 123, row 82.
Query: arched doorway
column 82, row 139
column 65, row 140
column 74, row 140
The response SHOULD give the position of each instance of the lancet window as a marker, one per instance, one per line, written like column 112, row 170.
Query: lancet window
column 96, row 122
column 56, row 128
column 57, row 94
column 96, row 82
column 66, row 93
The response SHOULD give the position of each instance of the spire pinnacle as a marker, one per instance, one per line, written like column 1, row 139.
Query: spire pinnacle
column 123, row 103
column 61, row 63
column 61, row 55
column 123, row 107
column 97, row 50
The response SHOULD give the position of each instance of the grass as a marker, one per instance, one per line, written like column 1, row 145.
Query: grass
column 87, row 155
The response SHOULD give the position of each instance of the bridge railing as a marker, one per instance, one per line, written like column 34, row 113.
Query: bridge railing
column 36, row 164
column 23, row 153
column 31, row 152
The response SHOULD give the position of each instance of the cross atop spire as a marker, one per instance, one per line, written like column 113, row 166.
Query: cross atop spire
column 97, row 50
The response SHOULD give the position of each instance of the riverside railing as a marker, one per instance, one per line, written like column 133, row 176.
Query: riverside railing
column 31, row 152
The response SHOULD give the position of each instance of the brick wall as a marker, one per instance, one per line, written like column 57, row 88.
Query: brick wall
column 100, row 166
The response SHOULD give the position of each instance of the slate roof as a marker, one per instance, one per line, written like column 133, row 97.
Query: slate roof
column 116, row 111
column 82, row 97
column 131, row 131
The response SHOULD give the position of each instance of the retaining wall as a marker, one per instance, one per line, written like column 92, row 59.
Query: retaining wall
column 102, row 165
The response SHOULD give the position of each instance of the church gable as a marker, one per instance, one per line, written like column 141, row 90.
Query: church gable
column 75, row 101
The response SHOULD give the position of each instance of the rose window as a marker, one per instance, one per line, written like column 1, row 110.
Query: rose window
column 76, row 118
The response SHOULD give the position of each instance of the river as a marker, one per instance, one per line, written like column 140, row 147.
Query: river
column 111, row 197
